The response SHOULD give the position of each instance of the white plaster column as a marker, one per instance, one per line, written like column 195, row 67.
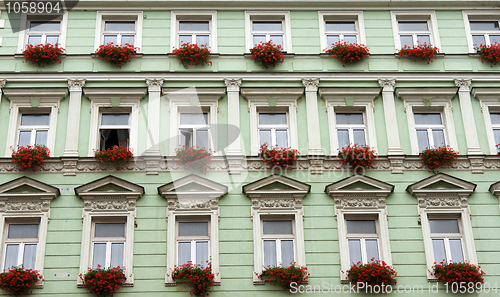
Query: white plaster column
column 233, row 106
column 391, row 123
column 153, row 124
column 311, row 85
column 468, row 117
column 73, row 128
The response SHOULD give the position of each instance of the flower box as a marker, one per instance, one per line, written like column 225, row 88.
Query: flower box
column 116, row 155
column 375, row 273
column 30, row 157
column 103, row 282
column 116, row 54
column 201, row 279
column 421, row 52
column 267, row 54
column 43, row 54
column 19, row 281
column 489, row 53
column 192, row 54
column 193, row 158
column 278, row 157
column 434, row 158
column 357, row 157
column 450, row 273
column 348, row 53
column 284, row 276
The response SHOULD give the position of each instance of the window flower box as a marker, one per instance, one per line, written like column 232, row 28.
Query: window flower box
column 451, row 273
column 193, row 158
column 348, row 53
column 192, row 54
column 267, row 54
column 116, row 54
column 43, row 54
column 434, row 158
column 357, row 157
column 103, row 282
column 278, row 157
column 201, row 279
column 375, row 273
column 117, row 155
column 19, row 281
column 489, row 53
column 284, row 276
column 421, row 52
column 30, row 157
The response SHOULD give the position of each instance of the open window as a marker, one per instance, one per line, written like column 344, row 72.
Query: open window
column 114, row 127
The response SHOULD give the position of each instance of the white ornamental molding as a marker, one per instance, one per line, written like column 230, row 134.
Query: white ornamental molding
column 311, row 84
column 387, row 84
column 233, row 84
column 76, row 85
column 463, row 84
column 154, row 84
column 26, row 195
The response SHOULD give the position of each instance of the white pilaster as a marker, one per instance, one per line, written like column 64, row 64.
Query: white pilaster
column 233, row 106
column 468, row 117
column 153, row 124
column 391, row 123
column 311, row 85
column 73, row 128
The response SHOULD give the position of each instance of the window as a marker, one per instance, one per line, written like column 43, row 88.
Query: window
column 481, row 27
column 490, row 107
column 37, row 29
column 20, row 245
column 351, row 129
column 335, row 26
column 278, row 239
column 415, row 28
column 362, row 239
column 193, row 242
column 268, row 26
column 195, row 27
column 194, row 130
column 495, row 125
column 194, row 32
column 446, row 240
column 114, row 129
column 108, row 244
column 119, row 32
column 33, row 129
column 273, row 129
column 413, row 33
column 119, row 28
column 430, row 130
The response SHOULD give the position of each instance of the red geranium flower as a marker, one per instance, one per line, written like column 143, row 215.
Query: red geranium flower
column 192, row 54
column 116, row 54
column 43, row 53
column 421, row 52
column 348, row 52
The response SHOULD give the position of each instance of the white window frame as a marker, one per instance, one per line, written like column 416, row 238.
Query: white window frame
column 480, row 15
column 447, row 236
column 488, row 99
column 192, row 239
column 23, row 101
column 103, row 16
column 273, row 128
column 444, row 202
column 24, row 27
column 108, row 240
column 278, row 238
column 282, row 205
column 355, row 100
column 429, row 100
column 429, row 128
column 33, row 129
column 326, row 16
column 119, row 110
column 362, row 237
column 195, row 127
column 271, row 16
column 428, row 16
column 192, row 15
column 361, row 204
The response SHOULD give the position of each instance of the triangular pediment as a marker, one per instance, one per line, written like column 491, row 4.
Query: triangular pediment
column 27, row 186
column 276, row 184
column 441, row 183
column 495, row 189
column 193, row 185
column 359, row 184
column 109, row 185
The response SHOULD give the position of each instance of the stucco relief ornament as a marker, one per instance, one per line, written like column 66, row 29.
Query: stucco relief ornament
column 356, row 202
column 274, row 203
column 76, row 84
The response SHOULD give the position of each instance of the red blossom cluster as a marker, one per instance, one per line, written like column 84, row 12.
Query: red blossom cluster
column 489, row 53
column 19, row 281
column 267, row 54
column 449, row 273
column 375, row 273
column 116, row 54
column 348, row 52
column 103, row 282
column 116, row 154
column 357, row 157
column 194, row 158
column 421, row 52
column 276, row 156
column 43, row 53
column 192, row 54
column 284, row 276
column 433, row 158
column 30, row 157
column 197, row 277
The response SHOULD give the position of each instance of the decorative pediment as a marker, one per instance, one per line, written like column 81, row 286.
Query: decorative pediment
column 276, row 191
column 359, row 191
column 26, row 195
column 192, row 192
column 109, row 193
column 495, row 189
column 442, row 191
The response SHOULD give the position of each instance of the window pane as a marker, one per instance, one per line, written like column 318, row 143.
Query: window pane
column 24, row 138
column 128, row 39
column 359, row 136
column 194, row 118
column 110, row 39
column 202, row 139
column 270, row 253
column 444, row 226
column 52, row 39
column 184, row 253
column 267, row 26
column 34, row 40
column 423, row 140
column 202, row 253
column 99, row 255
column 495, row 118
column 185, row 39
column 272, row 118
column 119, row 26
column 330, row 39
column 406, row 41
column 186, row 137
column 29, row 257
column 361, row 227
column 114, row 119
column 494, row 39
column 354, row 250
column 340, row 26
column 35, row 119
column 427, row 119
column 277, row 39
column 484, row 26
column 421, row 39
column 265, row 137
column 44, row 26
column 258, row 39
column 117, row 254
column 23, row 231
column 478, row 39
column 456, row 250
column 371, row 250
column 41, row 137
column 350, row 38
column 438, row 137
column 194, row 26
column 277, row 227
column 413, row 26
column 349, row 118
column 11, row 255
column 439, row 251
column 203, row 40
column 343, row 136
column 282, row 138
column 109, row 230
column 193, row 228
column 286, row 253
column 496, row 134
column 112, row 137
